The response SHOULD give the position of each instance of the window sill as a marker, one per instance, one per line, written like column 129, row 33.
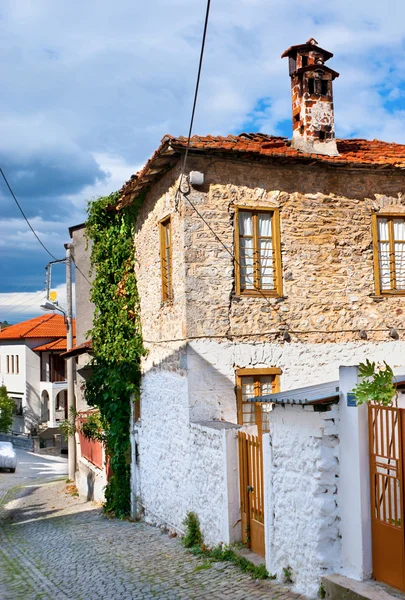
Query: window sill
column 387, row 295
column 257, row 294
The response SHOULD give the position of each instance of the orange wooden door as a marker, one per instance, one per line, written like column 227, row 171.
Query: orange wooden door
column 386, row 439
column 251, row 491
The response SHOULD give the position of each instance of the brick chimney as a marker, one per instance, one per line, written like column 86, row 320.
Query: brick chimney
column 312, row 98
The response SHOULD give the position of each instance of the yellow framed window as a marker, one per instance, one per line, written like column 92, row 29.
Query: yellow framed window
column 166, row 258
column 389, row 254
column 257, row 252
column 251, row 383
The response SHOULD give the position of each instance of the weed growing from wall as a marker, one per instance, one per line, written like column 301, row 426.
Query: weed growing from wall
column 117, row 338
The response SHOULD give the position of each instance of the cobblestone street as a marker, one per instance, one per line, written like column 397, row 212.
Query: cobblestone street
column 55, row 546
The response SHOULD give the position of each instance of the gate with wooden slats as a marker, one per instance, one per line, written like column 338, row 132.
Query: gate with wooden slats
column 386, row 438
column 251, row 491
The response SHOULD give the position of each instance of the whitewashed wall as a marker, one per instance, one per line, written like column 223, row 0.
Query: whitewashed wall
column 164, row 447
column 214, row 490
column 301, row 484
column 211, row 367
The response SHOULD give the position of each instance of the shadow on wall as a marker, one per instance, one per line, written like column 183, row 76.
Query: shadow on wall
column 32, row 409
column 90, row 485
column 211, row 394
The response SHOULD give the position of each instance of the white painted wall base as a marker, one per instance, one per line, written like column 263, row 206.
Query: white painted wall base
column 90, row 481
column 301, row 518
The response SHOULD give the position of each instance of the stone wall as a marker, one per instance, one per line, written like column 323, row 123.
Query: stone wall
column 326, row 246
column 160, row 320
column 301, row 484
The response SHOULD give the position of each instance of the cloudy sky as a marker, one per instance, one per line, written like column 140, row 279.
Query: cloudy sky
column 89, row 89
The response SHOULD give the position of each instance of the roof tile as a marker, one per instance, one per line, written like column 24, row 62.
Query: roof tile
column 45, row 326
column 356, row 152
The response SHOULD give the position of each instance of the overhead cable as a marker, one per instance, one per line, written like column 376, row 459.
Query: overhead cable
column 23, row 214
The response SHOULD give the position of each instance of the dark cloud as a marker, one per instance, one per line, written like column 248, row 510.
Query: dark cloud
column 42, row 181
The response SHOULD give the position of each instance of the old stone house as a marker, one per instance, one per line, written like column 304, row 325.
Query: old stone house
column 267, row 266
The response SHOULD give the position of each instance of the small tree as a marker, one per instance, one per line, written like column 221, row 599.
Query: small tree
column 6, row 410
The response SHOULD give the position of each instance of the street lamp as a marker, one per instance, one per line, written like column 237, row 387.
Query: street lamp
column 68, row 317
column 48, row 305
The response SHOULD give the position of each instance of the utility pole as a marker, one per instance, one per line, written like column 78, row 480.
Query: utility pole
column 70, row 364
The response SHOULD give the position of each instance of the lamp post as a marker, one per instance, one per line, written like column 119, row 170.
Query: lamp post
column 68, row 313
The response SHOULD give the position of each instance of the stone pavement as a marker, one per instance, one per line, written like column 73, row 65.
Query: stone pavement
column 54, row 546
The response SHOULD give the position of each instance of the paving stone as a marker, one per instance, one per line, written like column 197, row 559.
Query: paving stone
column 72, row 551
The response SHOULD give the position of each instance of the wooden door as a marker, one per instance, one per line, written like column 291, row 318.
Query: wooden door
column 386, row 439
column 251, row 491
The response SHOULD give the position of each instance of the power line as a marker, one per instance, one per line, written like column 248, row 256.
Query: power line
column 23, row 214
column 24, row 300
column 197, row 85
column 188, row 147
column 80, row 271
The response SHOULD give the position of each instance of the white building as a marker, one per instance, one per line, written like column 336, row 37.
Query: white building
column 34, row 373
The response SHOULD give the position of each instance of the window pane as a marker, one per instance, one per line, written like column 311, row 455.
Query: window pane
column 399, row 265
column 266, row 265
column 246, row 258
column 399, row 230
column 384, row 259
column 264, row 224
column 167, row 234
column 266, row 384
column 245, row 223
column 383, row 230
column 248, row 388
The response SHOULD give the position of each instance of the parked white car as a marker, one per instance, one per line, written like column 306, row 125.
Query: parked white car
column 8, row 457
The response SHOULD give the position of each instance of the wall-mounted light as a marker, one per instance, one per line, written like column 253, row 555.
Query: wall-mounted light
column 394, row 334
column 196, row 178
column 363, row 334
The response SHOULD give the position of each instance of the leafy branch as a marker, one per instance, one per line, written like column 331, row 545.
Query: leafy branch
column 376, row 385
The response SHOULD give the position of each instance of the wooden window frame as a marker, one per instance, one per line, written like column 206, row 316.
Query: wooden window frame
column 167, row 286
column 278, row 283
column 255, row 373
column 376, row 256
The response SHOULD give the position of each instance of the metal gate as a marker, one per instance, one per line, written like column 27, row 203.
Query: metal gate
column 386, row 431
column 251, row 491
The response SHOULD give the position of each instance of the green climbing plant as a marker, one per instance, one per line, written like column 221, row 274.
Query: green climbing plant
column 117, row 339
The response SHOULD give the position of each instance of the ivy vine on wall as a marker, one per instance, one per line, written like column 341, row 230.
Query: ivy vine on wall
column 117, row 338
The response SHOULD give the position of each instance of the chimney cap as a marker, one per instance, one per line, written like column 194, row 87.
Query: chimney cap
column 311, row 44
column 317, row 67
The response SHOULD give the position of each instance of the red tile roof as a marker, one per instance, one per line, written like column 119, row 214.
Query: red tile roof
column 80, row 349
column 59, row 344
column 45, row 326
column 355, row 152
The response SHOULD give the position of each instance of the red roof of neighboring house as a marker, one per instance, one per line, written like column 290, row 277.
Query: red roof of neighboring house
column 59, row 344
column 45, row 326
column 80, row 349
column 355, row 153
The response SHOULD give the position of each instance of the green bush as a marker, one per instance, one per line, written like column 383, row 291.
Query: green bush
column 193, row 535
column 6, row 410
